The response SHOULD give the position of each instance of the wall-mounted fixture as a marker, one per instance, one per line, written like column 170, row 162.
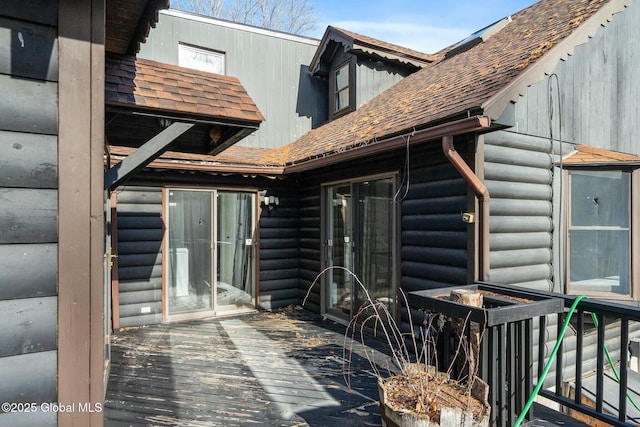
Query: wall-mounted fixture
column 164, row 122
column 269, row 201
column 468, row 217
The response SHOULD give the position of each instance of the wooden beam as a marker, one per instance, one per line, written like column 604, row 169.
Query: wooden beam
column 97, row 201
column 144, row 155
column 80, row 210
column 115, row 281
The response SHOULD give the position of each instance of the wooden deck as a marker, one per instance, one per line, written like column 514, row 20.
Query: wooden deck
column 276, row 369
column 262, row 369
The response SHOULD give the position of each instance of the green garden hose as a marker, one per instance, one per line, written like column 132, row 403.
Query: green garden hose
column 613, row 368
column 553, row 355
column 547, row 366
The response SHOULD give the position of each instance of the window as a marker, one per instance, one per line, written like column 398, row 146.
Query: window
column 599, row 235
column 201, row 59
column 342, row 89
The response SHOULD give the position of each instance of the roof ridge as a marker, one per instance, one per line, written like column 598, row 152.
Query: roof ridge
column 381, row 43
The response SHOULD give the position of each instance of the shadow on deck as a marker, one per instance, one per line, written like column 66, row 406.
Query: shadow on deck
column 277, row 369
column 263, row 369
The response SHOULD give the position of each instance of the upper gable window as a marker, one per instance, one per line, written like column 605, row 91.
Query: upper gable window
column 342, row 89
column 201, row 59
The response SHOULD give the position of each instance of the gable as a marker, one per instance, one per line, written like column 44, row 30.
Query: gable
column 598, row 90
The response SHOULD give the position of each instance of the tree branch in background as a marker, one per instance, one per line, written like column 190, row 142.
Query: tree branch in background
column 291, row 16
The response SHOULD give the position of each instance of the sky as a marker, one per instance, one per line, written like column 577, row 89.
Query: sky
column 423, row 25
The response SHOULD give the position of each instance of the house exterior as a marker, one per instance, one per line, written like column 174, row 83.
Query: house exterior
column 508, row 158
column 295, row 100
column 52, row 289
column 272, row 66
column 60, row 62
column 453, row 152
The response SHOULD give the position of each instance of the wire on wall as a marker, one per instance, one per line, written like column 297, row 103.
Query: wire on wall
column 553, row 78
column 406, row 176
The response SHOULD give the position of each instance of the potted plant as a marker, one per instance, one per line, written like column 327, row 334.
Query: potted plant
column 413, row 393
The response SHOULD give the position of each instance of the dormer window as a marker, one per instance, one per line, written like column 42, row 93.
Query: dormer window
column 342, row 89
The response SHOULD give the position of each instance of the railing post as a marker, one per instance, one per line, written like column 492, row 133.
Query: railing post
column 624, row 349
column 561, row 317
column 600, row 364
column 579, row 343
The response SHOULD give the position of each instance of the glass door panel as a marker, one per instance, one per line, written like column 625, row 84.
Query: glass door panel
column 375, row 240
column 339, row 250
column 359, row 236
column 235, row 243
column 190, row 252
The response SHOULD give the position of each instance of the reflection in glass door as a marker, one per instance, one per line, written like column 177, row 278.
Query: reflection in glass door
column 235, row 250
column 339, row 250
column 202, row 276
column 359, row 236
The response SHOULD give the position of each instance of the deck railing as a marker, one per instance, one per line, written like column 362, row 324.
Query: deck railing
column 613, row 324
column 590, row 376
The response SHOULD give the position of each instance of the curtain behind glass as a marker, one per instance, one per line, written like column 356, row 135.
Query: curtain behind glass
column 190, row 257
column 235, row 249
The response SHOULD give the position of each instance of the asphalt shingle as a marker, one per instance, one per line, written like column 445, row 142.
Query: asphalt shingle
column 137, row 82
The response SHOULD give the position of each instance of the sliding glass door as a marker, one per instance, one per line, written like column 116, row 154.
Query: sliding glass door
column 210, row 251
column 360, row 224
column 234, row 278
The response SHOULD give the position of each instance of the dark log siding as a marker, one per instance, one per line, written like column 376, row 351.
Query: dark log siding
column 432, row 235
column 434, row 238
column 140, row 230
column 521, row 250
column 28, row 160
column 28, row 215
column 140, row 255
column 310, row 244
column 36, row 111
column 279, row 253
column 28, row 208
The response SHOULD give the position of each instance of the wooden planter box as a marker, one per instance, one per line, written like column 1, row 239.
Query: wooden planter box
column 506, row 360
column 501, row 306
column 449, row 416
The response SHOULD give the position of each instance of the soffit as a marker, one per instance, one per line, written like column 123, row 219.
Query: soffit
column 128, row 22
column 361, row 44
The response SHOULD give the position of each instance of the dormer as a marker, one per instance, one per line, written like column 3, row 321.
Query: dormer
column 359, row 68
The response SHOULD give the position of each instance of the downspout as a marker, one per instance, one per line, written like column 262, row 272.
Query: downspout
column 482, row 193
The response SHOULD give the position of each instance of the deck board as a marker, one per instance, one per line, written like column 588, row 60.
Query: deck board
column 263, row 369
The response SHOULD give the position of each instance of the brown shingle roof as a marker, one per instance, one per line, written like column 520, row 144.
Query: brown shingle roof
column 442, row 90
column 250, row 160
column 360, row 44
column 366, row 41
column 453, row 86
column 586, row 154
column 145, row 84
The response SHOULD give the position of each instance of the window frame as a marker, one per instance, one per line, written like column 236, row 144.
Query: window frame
column 350, row 88
column 633, row 230
column 204, row 51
